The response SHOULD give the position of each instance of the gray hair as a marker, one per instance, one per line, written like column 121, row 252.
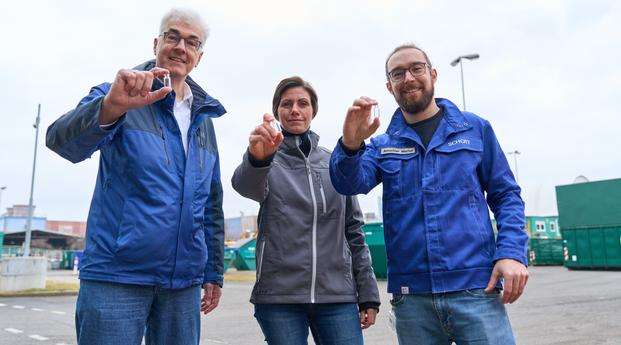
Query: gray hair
column 187, row 16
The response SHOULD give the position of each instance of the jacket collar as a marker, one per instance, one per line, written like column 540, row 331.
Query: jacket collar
column 202, row 102
column 453, row 121
column 290, row 142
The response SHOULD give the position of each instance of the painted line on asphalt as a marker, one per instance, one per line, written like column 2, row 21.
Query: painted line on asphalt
column 38, row 337
column 62, row 344
column 19, row 307
column 36, row 309
column 216, row 341
column 58, row 312
column 2, row 305
column 14, row 330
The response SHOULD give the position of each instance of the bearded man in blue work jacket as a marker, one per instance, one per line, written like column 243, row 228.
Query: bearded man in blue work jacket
column 155, row 231
column 438, row 165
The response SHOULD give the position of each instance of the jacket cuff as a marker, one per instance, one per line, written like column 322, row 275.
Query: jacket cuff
column 260, row 163
column 368, row 305
column 351, row 153
column 511, row 254
column 213, row 278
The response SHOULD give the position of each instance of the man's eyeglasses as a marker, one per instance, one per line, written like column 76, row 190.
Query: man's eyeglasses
column 172, row 37
column 416, row 70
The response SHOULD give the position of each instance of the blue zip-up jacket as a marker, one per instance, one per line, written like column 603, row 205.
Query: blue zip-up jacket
column 438, row 232
column 156, row 214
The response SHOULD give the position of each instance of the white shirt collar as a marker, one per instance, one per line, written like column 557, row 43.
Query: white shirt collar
column 187, row 95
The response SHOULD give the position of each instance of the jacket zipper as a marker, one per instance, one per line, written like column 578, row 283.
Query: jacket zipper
column 261, row 260
column 165, row 147
column 314, row 233
column 323, row 195
column 201, row 144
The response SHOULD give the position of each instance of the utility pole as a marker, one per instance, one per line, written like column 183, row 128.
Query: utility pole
column 30, row 203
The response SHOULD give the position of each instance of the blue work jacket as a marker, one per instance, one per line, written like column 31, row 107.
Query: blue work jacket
column 156, row 213
column 437, row 227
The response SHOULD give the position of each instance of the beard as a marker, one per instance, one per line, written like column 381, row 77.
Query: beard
column 415, row 106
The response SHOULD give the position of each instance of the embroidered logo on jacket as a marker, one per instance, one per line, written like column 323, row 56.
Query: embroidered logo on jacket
column 459, row 141
column 398, row 150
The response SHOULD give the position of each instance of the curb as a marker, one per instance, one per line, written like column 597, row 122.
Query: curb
column 40, row 294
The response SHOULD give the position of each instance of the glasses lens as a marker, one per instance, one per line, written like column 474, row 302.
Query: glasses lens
column 397, row 75
column 417, row 69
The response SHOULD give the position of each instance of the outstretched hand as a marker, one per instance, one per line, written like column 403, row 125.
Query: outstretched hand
column 131, row 89
column 359, row 123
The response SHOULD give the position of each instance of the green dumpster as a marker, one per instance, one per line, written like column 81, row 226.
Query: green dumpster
column 229, row 257
column 374, row 237
column 590, row 222
column 245, row 259
column 545, row 251
column 66, row 262
column 592, row 248
column 1, row 242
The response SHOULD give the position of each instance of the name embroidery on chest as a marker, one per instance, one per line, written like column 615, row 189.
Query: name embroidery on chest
column 398, row 150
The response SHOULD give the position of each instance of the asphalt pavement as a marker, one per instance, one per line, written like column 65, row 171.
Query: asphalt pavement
column 558, row 307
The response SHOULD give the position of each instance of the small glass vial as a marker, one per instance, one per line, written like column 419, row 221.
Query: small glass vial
column 276, row 125
column 167, row 80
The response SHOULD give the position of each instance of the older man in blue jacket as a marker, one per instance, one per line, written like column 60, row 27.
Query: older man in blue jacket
column 440, row 168
column 155, row 231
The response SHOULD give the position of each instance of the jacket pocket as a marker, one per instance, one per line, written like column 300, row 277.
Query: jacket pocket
column 397, row 300
column 259, row 258
column 329, row 201
column 165, row 144
column 457, row 163
column 478, row 224
column 480, row 293
column 399, row 174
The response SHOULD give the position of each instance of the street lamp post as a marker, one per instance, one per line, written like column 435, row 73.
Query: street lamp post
column 458, row 60
column 515, row 154
column 30, row 203
column 2, row 189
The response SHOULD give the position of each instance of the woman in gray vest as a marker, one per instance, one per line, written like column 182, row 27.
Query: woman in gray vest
column 313, row 266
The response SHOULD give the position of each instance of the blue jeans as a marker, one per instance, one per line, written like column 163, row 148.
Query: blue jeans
column 121, row 314
column 469, row 317
column 330, row 323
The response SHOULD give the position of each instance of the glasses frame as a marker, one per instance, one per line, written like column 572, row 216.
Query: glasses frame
column 409, row 69
column 166, row 34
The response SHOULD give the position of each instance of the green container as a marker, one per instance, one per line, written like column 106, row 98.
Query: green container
column 590, row 220
column 1, row 242
column 229, row 257
column 589, row 205
column 374, row 237
column 66, row 263
column 594, row 248
column 545, row 251
column 245, row 259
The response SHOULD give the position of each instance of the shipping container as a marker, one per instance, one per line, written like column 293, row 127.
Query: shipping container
column 595, row 248
column 589, row 205
column 545, row 251
column 590, row 221
column 374, row 237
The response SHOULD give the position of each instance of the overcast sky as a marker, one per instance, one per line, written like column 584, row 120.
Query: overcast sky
column 548, row 78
